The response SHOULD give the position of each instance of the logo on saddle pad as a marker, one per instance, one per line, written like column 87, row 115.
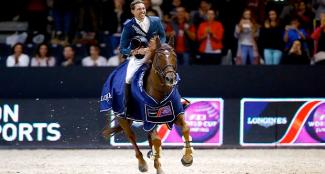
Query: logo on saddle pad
column 160, row 114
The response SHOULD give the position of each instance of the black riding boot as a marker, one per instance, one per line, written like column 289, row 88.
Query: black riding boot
column 127, row 95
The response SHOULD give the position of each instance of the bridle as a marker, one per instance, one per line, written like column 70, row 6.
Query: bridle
column 162, row 73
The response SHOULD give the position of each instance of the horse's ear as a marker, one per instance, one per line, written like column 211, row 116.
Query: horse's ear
column 158, row 42
column 171, row 41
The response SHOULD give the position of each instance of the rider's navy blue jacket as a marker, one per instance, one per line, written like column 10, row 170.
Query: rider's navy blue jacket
column 132, row 29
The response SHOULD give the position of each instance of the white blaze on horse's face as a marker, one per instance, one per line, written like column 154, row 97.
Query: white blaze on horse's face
column 167, row 54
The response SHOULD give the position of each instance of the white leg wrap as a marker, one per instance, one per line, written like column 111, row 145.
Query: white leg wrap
column 156, row 154
column 187, row 145
column 185, row 140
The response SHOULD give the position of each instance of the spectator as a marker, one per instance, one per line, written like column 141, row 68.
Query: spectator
column 200, row 15
column 87, row 16
column 115, row 60
column 94, row 59
column 184, row 34
column 150, row 10
column 247, row 32
column 294, row 32
column 113, row 15
column 257, row 8
column 169, row 9
column 306, row 16
column 271, row 39
column 18, row 58
column 296, row 55
column 319, row 58
column 210, row 35
column 319, row 6
column 63, row 14
column 42, row 57
column 319, row 38
column 289, row 9
column 69, row 56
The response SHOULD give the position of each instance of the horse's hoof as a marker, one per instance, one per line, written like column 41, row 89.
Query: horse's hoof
column 160, row 171
column 187, row 162
column 143, row 166
column 149, row 154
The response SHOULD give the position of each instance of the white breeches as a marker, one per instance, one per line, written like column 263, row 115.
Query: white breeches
column 133, row 66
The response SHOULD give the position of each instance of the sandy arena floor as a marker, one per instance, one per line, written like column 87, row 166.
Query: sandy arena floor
column 300, row 161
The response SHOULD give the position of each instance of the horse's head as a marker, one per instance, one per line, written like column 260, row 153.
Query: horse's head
column 165, row 62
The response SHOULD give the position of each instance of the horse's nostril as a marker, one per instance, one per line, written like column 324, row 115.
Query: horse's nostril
column 170, row 79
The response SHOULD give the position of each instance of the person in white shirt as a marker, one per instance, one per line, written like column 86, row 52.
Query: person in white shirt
column 18, row 58
column 115, row 60
column 94, row 59
column 42, row 57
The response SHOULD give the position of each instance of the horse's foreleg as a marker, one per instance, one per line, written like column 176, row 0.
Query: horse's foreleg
column 150, row 154
column 156, row 150
column 187, row 159
column 126, row 125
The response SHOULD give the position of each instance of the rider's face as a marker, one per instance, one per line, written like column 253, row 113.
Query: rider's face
column 139, row 11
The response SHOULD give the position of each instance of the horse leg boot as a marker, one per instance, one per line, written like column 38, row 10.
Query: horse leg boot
column 156, row 150
column 126, row 125
column 188, row 150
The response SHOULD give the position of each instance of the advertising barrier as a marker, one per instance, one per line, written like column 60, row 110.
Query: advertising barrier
column 77, row 123
column 60, row 123
column 203, row 115
column 282, row 122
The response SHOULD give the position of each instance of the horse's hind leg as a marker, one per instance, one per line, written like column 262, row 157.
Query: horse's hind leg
column 126, row 125
column 187, row 158
column 156, row 150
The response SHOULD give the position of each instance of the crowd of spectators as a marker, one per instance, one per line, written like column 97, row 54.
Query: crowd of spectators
column 210, row 32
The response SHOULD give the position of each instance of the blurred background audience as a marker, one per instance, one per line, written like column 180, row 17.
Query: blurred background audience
column 87, row 32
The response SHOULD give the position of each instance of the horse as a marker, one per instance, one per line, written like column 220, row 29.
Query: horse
column 159, row 81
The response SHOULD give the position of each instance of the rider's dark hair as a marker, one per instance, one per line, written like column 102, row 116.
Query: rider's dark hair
column 135, row 2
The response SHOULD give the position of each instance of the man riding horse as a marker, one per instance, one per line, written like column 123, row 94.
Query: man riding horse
column 155, row 97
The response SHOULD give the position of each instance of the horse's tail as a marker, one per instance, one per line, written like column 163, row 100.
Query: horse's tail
column 111, row 131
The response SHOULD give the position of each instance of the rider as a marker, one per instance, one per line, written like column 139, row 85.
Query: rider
column 139, row 25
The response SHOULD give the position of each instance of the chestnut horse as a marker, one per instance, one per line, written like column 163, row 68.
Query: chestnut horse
column 159, row 81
